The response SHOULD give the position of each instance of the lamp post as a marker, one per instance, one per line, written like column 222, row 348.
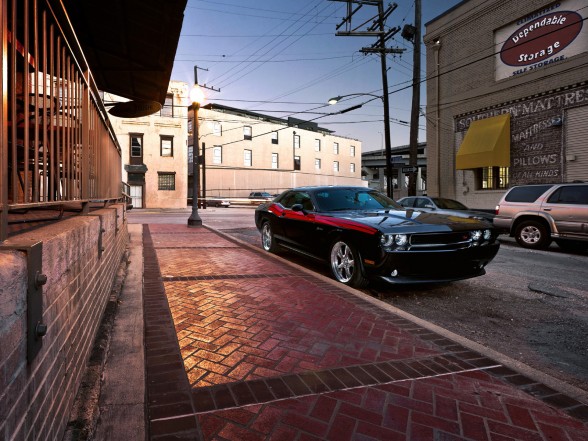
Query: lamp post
column 384, row 98
column 196, row 97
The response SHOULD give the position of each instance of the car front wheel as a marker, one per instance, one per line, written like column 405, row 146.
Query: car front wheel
column 268, row 242
column 532, row 234
column 346, row 265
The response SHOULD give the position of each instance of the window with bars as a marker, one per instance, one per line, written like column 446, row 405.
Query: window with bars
column 335, row 166
column 166, row 181
column 166, row 145
column 336, row 148
column 352, row 168
column 317, row 163
column 352, row 150
column 492, row 178
column 136, row 145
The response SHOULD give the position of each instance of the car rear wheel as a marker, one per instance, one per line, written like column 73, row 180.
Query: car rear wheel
column 346, row 266
column 532, row 234
column 268, row 242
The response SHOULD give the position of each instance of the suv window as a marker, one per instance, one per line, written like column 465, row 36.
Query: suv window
column 526, row 193
column 576, row 194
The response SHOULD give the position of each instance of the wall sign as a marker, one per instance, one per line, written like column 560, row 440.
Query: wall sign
column 538, row 40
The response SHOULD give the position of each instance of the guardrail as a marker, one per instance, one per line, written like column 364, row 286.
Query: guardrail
column 57, row 146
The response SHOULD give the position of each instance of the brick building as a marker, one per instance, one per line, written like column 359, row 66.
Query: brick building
column 507, row 97
column 247, row 151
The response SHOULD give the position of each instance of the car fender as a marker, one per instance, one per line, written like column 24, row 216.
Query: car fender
column 533, row 215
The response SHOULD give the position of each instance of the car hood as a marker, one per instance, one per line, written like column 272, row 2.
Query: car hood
column 409, row 221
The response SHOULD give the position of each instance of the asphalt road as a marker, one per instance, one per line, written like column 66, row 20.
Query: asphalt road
column 531, row 306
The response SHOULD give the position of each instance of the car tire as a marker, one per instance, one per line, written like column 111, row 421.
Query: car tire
column 532, row 234
column 346, row 264
column 268, row 241
column 571, row 245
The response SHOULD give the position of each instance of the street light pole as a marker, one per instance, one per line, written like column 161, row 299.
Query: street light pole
column 196, row 96
column 384, row 98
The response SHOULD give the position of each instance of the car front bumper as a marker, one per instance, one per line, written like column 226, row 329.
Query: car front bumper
column 409, row 267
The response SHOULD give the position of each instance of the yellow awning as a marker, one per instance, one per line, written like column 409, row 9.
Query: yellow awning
column 486, row 144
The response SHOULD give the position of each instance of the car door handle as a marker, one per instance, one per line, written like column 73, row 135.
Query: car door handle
column 547, row 209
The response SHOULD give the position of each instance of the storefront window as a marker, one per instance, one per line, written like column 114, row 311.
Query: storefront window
column 492, row 178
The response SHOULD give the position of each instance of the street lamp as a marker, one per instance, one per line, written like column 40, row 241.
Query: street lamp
column 384, row 98
column 196, row 98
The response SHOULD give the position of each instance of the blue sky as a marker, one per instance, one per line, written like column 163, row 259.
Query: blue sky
column 282, row 58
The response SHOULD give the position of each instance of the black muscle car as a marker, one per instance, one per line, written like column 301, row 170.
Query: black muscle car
column 363, row 235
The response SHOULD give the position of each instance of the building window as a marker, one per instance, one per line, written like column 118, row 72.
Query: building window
column 247, row 133
column 335, row 166
column 247, row 158
column 296, row 162
column 317, row 145
column 317, row 163
column 492, row 178
column 166, row 145
column 352, row 150
column 136, row 146
column 190, row 126
column 352, row 167
column 274, row 137
column 168, row 106
column 296, row 141
column 274, row 160
column 217, row 128
column 166, row 181
column 217, row 154
column 336, row 148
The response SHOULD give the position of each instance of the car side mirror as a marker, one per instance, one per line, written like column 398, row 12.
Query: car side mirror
column 298, row 207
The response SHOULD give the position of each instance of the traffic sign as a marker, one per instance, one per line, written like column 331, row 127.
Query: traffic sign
column 410, row 169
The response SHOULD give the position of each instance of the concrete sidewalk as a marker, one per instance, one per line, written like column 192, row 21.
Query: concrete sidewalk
column 242, row 345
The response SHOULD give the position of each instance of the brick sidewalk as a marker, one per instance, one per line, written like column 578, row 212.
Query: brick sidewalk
column 240, row 346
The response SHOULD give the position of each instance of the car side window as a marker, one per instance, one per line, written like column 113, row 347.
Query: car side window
column 421, row 203
column 407, row 202
column 574, row 194
column 526, row 194
column 290, row 199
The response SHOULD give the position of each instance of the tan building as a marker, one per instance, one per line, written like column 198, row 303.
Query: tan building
column 246, row 151
column 507, row 97
column 154, row 152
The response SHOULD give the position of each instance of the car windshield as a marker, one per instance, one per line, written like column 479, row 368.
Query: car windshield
column 340, row 199
column 448, row 204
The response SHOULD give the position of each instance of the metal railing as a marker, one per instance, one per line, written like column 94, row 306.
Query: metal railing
column 57, row 146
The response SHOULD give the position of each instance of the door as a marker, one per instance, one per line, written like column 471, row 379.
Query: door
column 568, row 206
column 137, row 196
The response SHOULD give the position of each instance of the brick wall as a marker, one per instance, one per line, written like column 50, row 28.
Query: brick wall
column 36, row 396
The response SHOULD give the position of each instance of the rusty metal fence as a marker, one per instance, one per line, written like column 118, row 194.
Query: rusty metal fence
column 57, row 147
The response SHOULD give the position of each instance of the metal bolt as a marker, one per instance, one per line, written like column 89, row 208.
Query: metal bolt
column 40, row 329
column 40, row 279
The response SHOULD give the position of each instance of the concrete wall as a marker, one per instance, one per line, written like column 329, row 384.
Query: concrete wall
column 36, row 396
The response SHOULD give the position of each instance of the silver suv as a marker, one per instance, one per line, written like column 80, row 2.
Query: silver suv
column 537, row 214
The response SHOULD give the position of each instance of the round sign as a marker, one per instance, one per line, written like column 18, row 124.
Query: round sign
column 134, row 109
column 541, row 38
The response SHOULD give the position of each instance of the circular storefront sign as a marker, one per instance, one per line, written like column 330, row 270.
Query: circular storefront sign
column 541, row 38
column 134, row 109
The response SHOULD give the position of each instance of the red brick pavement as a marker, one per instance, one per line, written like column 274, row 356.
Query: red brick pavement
column 240, row 346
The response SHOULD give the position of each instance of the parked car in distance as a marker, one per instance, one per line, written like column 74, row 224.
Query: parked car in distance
column 537, row 214
column 218, row 202
column 362, row 235
column 443, row 206
column 260, row 195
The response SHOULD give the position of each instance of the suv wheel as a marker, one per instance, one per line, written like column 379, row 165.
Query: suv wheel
column 532, row 234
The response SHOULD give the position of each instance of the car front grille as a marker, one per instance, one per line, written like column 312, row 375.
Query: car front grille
column 441, row 241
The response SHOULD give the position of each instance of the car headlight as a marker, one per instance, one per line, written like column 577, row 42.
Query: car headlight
column 401, row 240
column 487, row 234
column 476, row 235
column 387, row 240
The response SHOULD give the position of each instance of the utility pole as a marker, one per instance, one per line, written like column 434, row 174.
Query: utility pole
column 377, row 29
column 415, row 31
